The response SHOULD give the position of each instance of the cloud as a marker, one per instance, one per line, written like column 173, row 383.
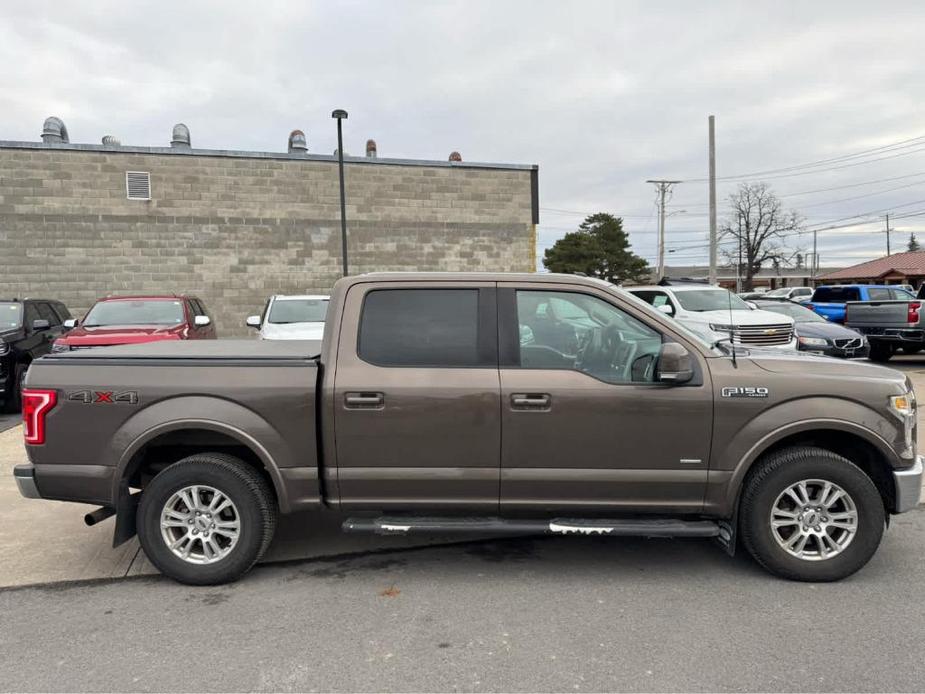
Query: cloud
column 601, row 95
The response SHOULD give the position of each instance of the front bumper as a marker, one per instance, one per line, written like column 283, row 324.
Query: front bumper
column 832, row 351
column 893, row 334
column 25, row 480
column 908, row 485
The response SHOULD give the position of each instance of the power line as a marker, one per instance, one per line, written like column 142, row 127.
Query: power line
column 902, row 144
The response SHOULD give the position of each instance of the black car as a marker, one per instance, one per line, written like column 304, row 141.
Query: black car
column 28, row 327
column 816, row 334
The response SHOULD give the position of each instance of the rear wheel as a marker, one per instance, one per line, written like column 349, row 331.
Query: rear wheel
column 206, row 519
column 881, row 351
column 811, row 515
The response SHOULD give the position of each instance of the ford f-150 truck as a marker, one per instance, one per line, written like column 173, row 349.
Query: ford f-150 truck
column 888, row 325
column 485, row 403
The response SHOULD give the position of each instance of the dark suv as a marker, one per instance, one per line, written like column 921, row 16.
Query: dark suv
column 28, row 327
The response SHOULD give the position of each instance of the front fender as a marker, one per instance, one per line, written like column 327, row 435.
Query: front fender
column 199, row 412
column 731, row 463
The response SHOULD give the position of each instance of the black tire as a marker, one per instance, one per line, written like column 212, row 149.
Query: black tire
column 251, row 494
column 772, row 476
column 881, row 351
column 13, row 402
column 911, row 349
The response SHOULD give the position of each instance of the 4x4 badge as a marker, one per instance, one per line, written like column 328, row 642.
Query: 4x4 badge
column 95, row 397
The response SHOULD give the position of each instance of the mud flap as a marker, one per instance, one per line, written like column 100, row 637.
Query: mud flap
column 125, row 516
column 728, row 529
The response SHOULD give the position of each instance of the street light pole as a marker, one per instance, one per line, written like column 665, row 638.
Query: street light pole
column 340, row 115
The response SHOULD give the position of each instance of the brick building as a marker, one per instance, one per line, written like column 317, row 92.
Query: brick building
column 81, row 221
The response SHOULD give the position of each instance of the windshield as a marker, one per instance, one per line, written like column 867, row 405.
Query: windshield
column 126, row 312
column 298, row 311
column 10, row 315
column 800, row 314
column 710, row 300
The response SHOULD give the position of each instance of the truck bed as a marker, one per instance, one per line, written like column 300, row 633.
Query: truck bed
column 116, row 405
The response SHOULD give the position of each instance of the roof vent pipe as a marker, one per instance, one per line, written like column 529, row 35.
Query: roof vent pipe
column 180, row 136
column 455, row 156
column 370, row 149
column 54, row 131
column 297, row 143
column 111, row 141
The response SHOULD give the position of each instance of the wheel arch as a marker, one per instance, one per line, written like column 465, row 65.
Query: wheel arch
column 134, row 457
column 860, row 445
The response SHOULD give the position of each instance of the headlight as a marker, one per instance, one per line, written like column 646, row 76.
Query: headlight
column 720, row 328
column 59, row 348
column 903, row 405
column 814, row 341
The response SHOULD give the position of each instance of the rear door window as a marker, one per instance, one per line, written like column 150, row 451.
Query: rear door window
column 438, row 328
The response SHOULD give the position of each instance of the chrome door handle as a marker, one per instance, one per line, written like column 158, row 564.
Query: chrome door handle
column 530, row 401
column 361, row 401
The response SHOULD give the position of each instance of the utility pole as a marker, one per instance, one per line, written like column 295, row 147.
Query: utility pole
column 663, row 187
column 340, row 114
column 815, row 263
column 712, row 201
column 888, row 234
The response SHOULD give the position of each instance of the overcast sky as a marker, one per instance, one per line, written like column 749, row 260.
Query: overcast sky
column 601, row 95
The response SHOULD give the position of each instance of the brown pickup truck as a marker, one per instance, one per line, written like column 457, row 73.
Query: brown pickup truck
column 484, row 403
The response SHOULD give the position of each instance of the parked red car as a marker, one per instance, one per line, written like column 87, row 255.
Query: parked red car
column 120, row 320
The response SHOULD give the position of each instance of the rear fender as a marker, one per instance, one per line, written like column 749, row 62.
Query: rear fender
column 198, row 412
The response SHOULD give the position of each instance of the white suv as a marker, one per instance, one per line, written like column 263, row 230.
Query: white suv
column 717, row 313
column 291, row 317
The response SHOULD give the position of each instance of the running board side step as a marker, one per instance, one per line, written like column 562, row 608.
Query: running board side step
column 632, row 527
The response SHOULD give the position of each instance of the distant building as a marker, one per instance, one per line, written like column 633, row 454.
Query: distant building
column 768, row 278
column 80, row 221
column 899, row 268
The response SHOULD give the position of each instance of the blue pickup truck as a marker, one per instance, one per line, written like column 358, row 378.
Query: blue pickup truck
column 829, row 300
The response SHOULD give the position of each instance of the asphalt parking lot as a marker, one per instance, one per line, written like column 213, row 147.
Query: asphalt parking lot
column 549, row 614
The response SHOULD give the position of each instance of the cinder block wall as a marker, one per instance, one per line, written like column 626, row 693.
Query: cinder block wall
column 235, row 229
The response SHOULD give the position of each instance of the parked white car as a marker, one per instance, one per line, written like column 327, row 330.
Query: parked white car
column 717, row 313
column 792, row 293
column 291, row 317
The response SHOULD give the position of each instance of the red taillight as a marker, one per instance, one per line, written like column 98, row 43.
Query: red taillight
column 913, row 315
column 35, row 405
column 811, row 307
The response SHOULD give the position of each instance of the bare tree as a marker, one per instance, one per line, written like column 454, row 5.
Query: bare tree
column 758, row 224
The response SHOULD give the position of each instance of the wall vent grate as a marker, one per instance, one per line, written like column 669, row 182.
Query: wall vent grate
column 138, row 185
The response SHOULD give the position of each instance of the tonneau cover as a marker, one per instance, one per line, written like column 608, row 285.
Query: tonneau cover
column 200, row 349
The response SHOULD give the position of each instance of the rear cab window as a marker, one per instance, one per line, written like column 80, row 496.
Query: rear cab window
column 836, row 295
column 419, row 327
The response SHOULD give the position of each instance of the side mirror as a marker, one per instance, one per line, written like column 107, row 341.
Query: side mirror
column 674, row 364
column 752, row 305
column 667, row 309
column 70, row 323
column 253, row 321
column 201, row 321
column 40, row 324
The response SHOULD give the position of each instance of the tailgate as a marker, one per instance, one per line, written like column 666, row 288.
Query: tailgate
column 859, row 314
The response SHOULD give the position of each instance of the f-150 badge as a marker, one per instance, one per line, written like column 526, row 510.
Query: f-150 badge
column 745, row 392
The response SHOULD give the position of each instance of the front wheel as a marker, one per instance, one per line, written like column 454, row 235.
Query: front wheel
column 808, row 514
column 881, row 351
column 13, row 401
column 206, row 519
